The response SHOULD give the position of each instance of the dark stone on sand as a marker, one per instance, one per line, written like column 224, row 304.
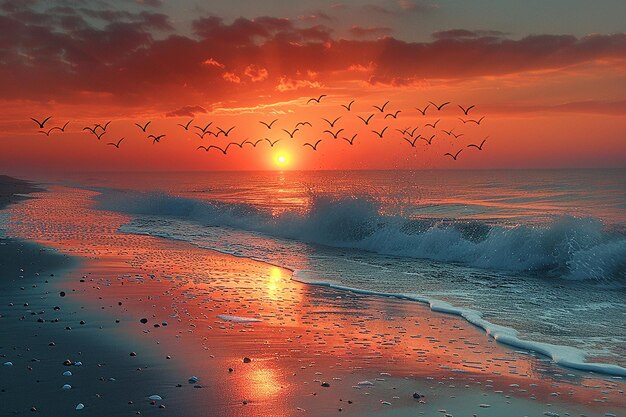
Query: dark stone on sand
column 51, row 344
column 39, row 320
column 247, row 360
column 144, row 320
column 157, row 325
column 82, row 322
column 33, row 408
column 325, row 384
column 417, row 395
column 57, row 308
column 230, row 369
column 62, row 293
column 161, row 406
column 132, row 354
column 67, row 362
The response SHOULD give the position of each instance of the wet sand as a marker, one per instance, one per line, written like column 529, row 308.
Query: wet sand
column 313, row 351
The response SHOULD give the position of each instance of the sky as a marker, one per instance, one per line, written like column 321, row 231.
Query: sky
column 549, row 78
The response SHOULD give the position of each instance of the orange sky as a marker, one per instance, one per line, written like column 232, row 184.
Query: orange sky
column 549, row 100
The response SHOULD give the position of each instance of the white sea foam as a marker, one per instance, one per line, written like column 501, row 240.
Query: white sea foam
column 238, row 319
column 566, row 356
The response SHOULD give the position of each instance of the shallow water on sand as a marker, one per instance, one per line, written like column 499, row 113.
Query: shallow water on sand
column 307, row 335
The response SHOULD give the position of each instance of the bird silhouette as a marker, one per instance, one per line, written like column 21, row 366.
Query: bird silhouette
column 272, row 143
column 381, row 108
column 472, row 120
column 381, row 133
column 225, row 132
column 332, row 124
column 41, row 124
column 117, row 145
column 453, row 156
column 216, row 147
column 448, row 132
column 253, row 143
column 479, row 147
column 208, row 132
column 429, row 140
column 424, row 110
column 270, row 124
column 304, row 124
column 466, row 110
column 366, row 121
column 433, row 125
column 314, row 147
column 185, row 126
column 348, row 106
column 334, row 135
column 238, row 144
column 61, row 129
column 156, row 139
column 412, row 142
column 104, row 128
column 205, row 128
column 350, row 141
column 455, row 135
column 412, row 132
column 94, row 132
column 293, row 132
column 144, row 127
column 394, row 115
column 91, row 129
column 440, row 106
column 403, row 131
column 317, row 100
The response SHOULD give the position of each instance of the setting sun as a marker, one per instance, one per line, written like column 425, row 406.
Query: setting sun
column 281, row 159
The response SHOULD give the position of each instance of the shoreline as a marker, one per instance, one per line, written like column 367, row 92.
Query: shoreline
column 307, row 335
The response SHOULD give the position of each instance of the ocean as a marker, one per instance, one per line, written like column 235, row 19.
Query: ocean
column 535, row 258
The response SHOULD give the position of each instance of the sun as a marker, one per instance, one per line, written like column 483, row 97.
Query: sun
column 281, row 159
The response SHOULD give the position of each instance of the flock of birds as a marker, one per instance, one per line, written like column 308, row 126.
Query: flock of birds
column 411, row 135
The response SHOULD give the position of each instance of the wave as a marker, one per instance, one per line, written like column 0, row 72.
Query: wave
column 569, row 247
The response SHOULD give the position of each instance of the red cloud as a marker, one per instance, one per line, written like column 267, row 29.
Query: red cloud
column 190, row 111
column 363, row 32
column 59, row 54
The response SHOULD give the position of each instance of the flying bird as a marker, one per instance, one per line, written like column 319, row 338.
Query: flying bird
column 453, row 156
column 185, row 126
column 412, row 142
column 117, row 145
column 144, row 127
column 448, row 132
column 403, row 132
column 332, row 124
column 216, row 147
column 253, row 143
column 317, row 100
column 314, row 147
column 293, row 132
column 225, row 132
column 104, row 128
column 423, row 111
column 95, row 133
column 348, row 106
column 429, row 140
column 156, row 139
column 270, row 124
column 412, row 132
column 205, row 128
column 350, row 141
column 381, row 108
column 440, row 106
column 334, row 135
column 91, row 129
column 366, row 121
column 466, row 110
column 381, row 133
column 472, row 120
column 41, row 124
column 304, row 124
column 394, row 115
column 61, row 129
column 455, row 135
column 208, row 132
column 479, row 147
column 433, row 125
column 272, row 143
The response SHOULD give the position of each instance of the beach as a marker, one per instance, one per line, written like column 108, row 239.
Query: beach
column 226, row 335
